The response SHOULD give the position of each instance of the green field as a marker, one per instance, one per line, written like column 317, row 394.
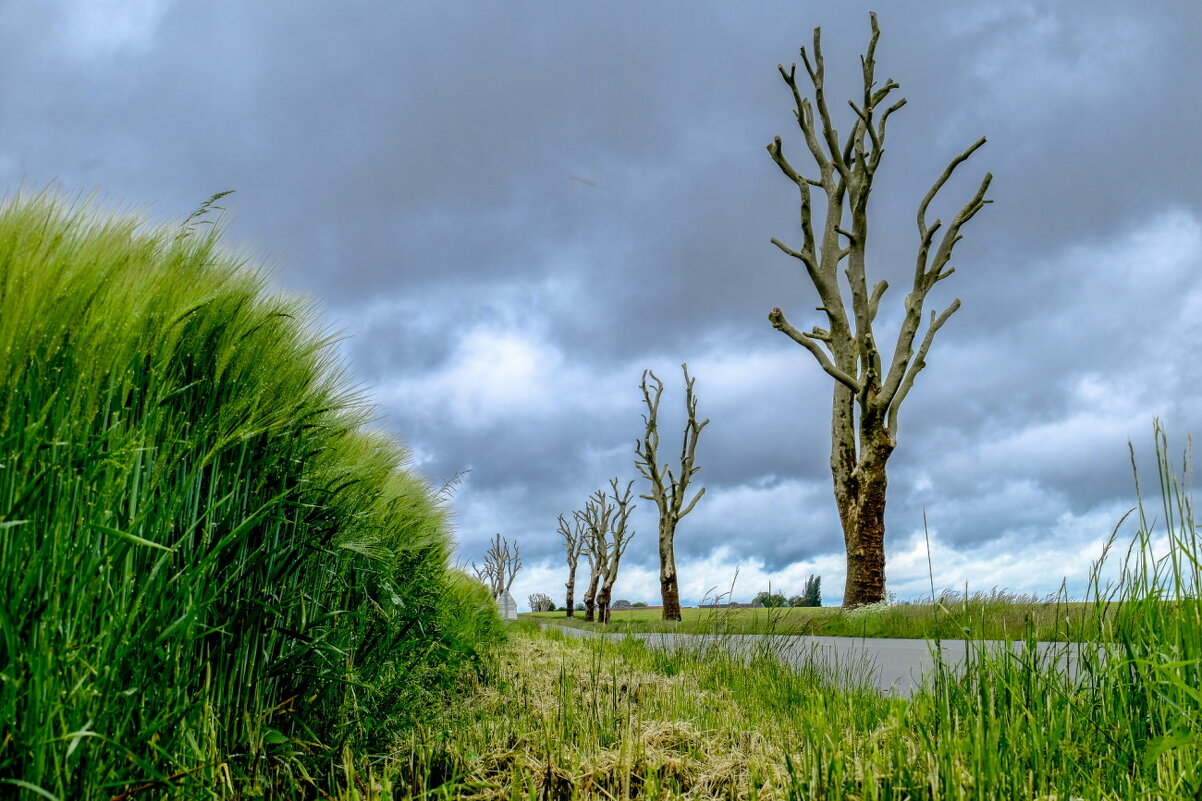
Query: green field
column 995, row 616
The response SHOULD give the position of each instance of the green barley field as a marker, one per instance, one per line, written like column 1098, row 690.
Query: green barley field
column 218, row 581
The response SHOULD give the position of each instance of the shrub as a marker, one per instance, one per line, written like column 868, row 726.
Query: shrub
column 769, row 599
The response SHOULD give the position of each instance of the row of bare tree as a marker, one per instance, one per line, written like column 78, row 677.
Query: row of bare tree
column 600, row 531
column 869, row 385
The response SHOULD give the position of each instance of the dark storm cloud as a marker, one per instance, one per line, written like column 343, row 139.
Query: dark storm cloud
column 512, row 209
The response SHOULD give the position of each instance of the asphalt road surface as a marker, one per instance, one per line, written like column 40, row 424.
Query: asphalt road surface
column 894, row 667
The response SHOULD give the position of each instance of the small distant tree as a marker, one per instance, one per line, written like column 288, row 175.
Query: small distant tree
column 621, row 603
column 501, row 565
column 797, row 600
column 668, row 489
column 573, row 540
column 813, row 591
column 607, row 519
column 770, row 599
column 541, row 602
column 639, row 605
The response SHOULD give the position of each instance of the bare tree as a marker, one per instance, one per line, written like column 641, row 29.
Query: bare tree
column 620, row 535
column 501, row 565
column 608, row 527
column 595, row 519
column 867, row 391
column 668, row 489
column 541, row 602
column 573, row 540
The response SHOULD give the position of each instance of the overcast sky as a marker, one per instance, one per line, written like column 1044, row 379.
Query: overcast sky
column 513, row 209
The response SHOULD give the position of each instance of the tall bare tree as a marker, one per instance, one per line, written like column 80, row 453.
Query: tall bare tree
column 501, row 565
column 573, row 542
column 868, row 391
column 668, row 489
column 606, row 516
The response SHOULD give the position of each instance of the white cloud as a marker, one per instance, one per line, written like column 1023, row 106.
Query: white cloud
column 499, row 376
column 1064, row 549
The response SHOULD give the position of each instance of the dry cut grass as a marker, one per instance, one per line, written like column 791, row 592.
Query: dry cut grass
column 582, row 719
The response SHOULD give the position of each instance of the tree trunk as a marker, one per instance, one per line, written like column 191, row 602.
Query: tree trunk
column 668, row 589
column 571, row 585
column 861, row 501
column 590, row 599
column 603, row 598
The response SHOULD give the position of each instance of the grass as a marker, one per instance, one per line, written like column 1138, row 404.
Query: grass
column 614, row 719
column 995, row 615
column 218, row 581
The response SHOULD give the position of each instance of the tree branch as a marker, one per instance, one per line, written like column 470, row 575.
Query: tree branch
column 874, row 302
column 817, row 79
column 952, row 235
column 688, row 450
column 947, row 173
column 788, row 251
column 777, row 318
column 901, row 372
column 804, row 113
column 693, row 502
column 647, row 449
column 573, row 539
column 917, row 364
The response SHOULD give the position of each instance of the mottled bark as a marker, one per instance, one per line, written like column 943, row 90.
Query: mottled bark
column 603, row 597
column 868, row 390
column 668, row 489
column 861, row 502
column 669, row 589
column 590, row 594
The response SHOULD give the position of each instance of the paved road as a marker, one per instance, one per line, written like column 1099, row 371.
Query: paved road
column 894, row 667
